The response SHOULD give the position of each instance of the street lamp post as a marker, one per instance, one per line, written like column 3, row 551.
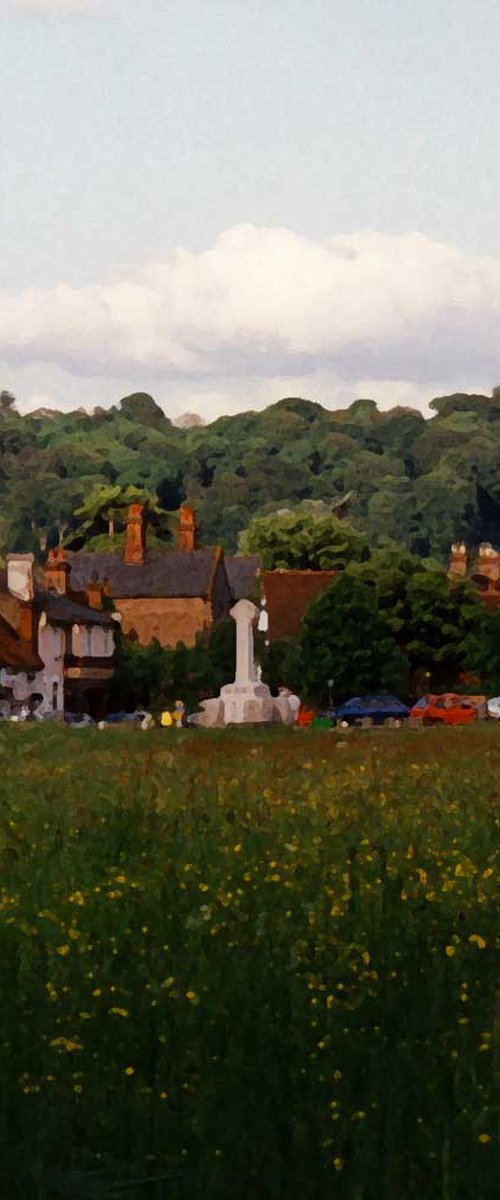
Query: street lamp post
column 330, row 683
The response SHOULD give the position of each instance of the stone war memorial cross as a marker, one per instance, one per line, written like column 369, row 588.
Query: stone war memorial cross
column 247, row 700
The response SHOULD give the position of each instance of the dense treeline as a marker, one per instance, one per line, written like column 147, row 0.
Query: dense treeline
column 417, row 482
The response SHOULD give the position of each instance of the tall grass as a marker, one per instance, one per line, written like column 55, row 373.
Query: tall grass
column 248, row 965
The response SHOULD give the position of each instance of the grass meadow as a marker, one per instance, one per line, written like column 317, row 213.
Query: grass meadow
column 252, row 965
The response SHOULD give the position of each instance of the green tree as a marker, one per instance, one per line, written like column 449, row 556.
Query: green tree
column 155, row 676
column 307, row 537
column 482, row 648
column 430, row 616
column 345, row 637
column 104, row 511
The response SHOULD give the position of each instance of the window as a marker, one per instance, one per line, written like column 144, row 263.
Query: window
column 55, row 696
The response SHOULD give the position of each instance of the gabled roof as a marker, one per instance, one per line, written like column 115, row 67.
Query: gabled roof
column 163, row 574
column 16, row 655
column 288, row 595
column 241, row 573
column 63, row 611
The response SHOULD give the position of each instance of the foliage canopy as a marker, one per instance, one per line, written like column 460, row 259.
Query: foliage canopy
column 419, row 482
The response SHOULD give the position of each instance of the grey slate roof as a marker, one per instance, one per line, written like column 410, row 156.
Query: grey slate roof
column 162, row 574
column 241, row 574
column 60, row 608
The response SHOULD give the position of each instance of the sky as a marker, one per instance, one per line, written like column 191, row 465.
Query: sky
column 223, row 202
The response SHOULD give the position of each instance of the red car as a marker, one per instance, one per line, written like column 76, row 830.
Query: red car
column 445, row 710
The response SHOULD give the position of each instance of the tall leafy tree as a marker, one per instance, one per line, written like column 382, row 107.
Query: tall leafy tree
column 345, row 637
column 430, row 617
column 104, row 510
column 307, row 537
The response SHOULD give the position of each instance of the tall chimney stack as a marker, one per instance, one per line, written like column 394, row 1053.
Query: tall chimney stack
column 457, row 566
column 56, row 572
column 135, row 535
column 186, row 536
column 20, row 575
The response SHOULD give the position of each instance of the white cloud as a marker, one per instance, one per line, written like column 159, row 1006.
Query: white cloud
column 363, row 311
column 47, row 5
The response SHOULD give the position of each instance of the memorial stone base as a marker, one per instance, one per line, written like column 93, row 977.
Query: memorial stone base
column 246, row 703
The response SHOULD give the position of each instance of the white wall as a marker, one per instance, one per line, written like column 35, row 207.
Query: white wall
column 51, row 651
column 92, row 641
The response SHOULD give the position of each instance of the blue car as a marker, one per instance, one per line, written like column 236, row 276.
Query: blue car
column 378, row 709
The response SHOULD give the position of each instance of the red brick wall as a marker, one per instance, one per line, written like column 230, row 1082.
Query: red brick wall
column 168, row 620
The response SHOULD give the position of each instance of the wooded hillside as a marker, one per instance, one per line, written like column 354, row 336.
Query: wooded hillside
column 419, row 482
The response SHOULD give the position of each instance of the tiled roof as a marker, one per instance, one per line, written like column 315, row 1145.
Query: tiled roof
column 241, row 574
column 15, row 654
column 162, row 574
column 289, row 594
column 65, row 611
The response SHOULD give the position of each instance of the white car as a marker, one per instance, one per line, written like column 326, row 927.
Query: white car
column 493, row 707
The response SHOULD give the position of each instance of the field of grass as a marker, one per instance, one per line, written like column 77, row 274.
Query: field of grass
column 242, row 965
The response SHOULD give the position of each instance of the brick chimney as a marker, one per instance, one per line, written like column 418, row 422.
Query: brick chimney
column 487, row 562
column 20, row 575
column 20, row 586
column 187, row 531
column 56, row 572
column 135, row 541
column 457, row 565
column 94, row 591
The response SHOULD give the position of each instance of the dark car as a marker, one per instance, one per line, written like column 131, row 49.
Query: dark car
column 127, row 718
column 378, row 709
column 78, row 720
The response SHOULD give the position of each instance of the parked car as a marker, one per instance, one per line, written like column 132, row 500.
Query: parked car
column 448, row 709
column 493, row 707
column 379, row 709
column 138, row 717
column 305, row 716
column 78, row 720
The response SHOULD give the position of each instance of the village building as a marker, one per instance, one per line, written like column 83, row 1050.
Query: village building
column 19, row 664
column 286, row 597
column 483, row 569
column 174, row 595
column 169, row 595
column 59, row 655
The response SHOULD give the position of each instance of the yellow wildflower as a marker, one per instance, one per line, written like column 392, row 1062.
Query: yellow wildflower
column 130, row 1070
column 67, row 1043
column 63, row 950
column 477, row 940
column 450, row 950
column 119, row 1012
